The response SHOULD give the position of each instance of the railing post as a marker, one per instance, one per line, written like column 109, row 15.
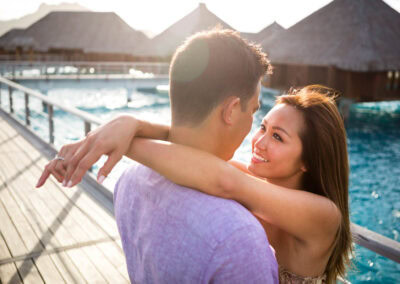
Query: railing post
column 88, row 127
column 0, row 93
column 10, row 99
column 51, row 123
column 27, row 111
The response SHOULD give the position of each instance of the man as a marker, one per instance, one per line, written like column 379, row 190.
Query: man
column 170, row 233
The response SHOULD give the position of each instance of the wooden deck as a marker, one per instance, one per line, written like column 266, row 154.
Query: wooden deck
column 52, row 234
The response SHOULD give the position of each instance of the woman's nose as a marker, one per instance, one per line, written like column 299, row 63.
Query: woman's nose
column 262, row 142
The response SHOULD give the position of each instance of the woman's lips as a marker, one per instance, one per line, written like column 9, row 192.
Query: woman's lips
column 258, row 159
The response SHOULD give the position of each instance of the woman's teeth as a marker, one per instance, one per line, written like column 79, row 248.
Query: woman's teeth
column 261, row 159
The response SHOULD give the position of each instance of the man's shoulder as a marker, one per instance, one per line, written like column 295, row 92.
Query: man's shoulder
column 210, row 217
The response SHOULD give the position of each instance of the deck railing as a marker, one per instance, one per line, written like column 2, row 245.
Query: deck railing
column 87, row 118
column 371, row 240
column 12, row 69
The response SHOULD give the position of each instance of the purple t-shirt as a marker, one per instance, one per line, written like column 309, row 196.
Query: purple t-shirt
column 174, row 234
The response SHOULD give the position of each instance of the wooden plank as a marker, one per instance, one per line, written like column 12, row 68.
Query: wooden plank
column 48, row 228
column 116, row 256
column 85, row 266
column 10, row 234
column 86, row 204
column 23, row 227
column 81, row 256
column 8, row 271
column 4, row 251
column 50, row 202
column 29, row 272
column 75, row 220
column 37, row 224
column 110, row 273
column 113, row 273
column 46, row 267
column 98, row 261
column 103, row 220
column 24, row 190
column 30, row 198
column 48, row 270
column 67, row 268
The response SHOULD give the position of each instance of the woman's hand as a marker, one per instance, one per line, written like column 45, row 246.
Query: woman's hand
column 74, row 160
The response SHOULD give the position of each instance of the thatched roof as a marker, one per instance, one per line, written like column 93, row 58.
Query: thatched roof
column 99, row 32
column 269, row 32
column 356, row 35
column 266, row 33
column 164, row 44
column 15, row 37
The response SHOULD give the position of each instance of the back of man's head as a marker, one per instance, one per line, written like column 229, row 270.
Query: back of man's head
column 209, row 67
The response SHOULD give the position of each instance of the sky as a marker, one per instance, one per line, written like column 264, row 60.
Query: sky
column 156, row 15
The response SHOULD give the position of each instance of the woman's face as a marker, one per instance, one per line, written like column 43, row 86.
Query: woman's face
column 277, row 148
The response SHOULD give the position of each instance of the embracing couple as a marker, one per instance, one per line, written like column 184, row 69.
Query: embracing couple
column 188, row 213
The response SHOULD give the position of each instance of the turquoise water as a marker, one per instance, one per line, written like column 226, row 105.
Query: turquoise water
column 373, row 131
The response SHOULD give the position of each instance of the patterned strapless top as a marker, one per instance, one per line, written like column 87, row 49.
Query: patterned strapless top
column 287, row 277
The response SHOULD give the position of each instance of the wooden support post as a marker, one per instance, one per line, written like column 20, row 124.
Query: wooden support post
column 10, row 99
column 51, row 123
column 331, row 77
column 27, row 111
column 88, row 127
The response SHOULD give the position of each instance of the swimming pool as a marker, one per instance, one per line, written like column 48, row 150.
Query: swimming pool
column 373, row 141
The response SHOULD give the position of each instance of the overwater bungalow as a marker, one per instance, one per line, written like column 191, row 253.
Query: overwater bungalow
column 73, row 36
column 162, row 46
column 350, row 45
column 267, row 33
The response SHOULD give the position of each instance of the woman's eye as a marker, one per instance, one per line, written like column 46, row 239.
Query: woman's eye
column 277, row 137
column 262, row 127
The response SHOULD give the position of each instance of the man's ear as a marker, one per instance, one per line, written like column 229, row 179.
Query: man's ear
column 229, row 110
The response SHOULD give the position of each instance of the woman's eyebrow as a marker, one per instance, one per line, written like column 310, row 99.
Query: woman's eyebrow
column 281, row 129
column 276, row 127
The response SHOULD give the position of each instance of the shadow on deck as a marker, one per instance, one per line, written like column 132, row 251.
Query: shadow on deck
column 52, row 234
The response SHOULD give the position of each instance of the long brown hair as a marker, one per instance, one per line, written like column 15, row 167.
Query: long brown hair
column 326, row 160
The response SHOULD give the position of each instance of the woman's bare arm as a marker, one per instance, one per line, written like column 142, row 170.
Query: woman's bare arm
column 240, row 166
column 305, row 215
column 111, row 139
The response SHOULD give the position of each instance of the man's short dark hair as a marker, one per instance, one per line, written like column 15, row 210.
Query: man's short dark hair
column 209, row 67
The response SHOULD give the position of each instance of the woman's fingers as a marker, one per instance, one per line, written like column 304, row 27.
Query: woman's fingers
column 50, row 169
column 59, row 176
column 83, row 166
column 75, row 157
column 45, row 175
column 104, row 171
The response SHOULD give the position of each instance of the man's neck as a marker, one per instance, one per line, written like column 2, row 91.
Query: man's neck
column 201, row 137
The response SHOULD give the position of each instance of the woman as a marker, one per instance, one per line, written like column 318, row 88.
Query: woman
column 296, row 184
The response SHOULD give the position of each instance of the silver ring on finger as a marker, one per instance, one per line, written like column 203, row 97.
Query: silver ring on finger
column 59, row 158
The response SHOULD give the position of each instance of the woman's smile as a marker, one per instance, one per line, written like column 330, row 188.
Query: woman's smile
column 258, row 159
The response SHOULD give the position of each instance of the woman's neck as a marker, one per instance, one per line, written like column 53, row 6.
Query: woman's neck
column 293, row 182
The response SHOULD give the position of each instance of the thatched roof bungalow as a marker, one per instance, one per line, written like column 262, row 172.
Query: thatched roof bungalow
column 162, row 46
column 77, row 36
column 266, row 33
column 351, row 45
